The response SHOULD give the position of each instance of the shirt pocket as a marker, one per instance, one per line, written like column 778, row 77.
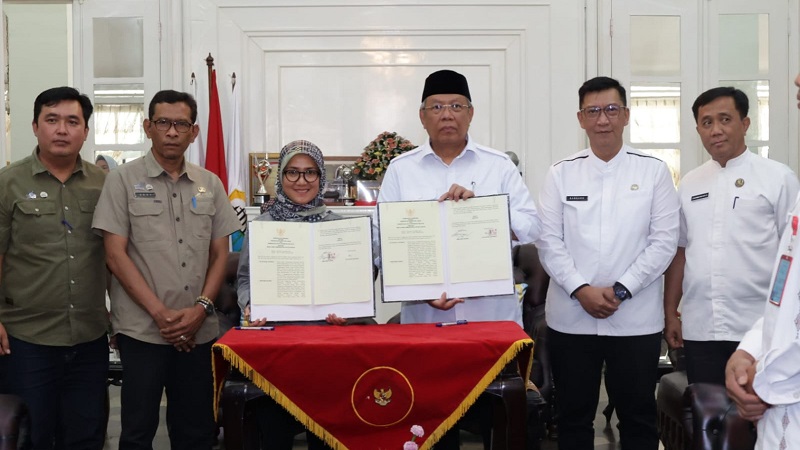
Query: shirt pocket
column 579, row 212
column 85, row 221
column 145, row 219
column 35, row 221
column 423, row 194
column 754, row 221
column 203, row 218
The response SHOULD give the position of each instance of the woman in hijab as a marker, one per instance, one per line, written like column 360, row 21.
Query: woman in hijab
column 301, row 176
column 106, row 163
column 298, row 198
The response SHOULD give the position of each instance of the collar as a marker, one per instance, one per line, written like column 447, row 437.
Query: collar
column 427, row 150
column 621, row 156
column 37, row 167
column 154, row 169
column 738, row 161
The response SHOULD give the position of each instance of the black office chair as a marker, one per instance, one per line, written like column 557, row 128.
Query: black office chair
column 14, row 423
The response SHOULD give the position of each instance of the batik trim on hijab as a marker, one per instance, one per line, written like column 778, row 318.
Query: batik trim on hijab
column 281, row 208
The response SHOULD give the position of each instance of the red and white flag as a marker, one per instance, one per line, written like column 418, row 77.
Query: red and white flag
column 215, row 144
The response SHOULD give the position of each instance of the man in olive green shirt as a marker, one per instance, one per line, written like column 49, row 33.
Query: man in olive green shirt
column 53, row 318
column 165, row 224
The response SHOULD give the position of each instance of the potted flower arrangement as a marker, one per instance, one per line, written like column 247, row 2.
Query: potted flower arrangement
column 378, row 154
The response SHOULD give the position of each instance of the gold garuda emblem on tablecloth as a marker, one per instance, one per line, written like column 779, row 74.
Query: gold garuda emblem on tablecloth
column 382, row 397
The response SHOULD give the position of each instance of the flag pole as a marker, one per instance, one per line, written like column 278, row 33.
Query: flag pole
column 210, row 64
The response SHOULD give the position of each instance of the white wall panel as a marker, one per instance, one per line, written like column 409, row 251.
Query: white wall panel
column 338, row 73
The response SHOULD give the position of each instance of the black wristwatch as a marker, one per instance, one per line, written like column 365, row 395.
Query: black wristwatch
column 621, row 292
column 205, row 302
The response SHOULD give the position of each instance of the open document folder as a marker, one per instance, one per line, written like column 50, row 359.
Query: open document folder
column 429, row 247
column 305, row 270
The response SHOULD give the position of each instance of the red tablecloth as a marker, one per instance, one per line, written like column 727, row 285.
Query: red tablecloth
column 363, row 387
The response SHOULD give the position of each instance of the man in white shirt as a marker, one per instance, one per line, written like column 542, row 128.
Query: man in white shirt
column 763, row 375
column 733, row 212
column 610, row 219
column 451, row 166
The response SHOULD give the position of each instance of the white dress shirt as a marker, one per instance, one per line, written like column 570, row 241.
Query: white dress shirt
column 604, row 222
column 774, row 341
column 732, row 219
column 421, row 175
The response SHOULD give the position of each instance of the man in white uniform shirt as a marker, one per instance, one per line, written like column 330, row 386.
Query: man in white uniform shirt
column 733, row 212
column 451, row 166
column 610, row 219
column 763, row 375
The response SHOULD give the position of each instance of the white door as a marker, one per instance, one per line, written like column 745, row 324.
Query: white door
column 670, row 52
column 117, row 63
column 654, row 54
column 751, row 50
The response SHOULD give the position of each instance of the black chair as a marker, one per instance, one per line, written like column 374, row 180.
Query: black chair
column 542, row 418
column 699, row 416
column 716, row 424
column 674, row 415
column 14, row 423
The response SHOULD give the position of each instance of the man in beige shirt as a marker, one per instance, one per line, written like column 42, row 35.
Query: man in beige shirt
column 53, row 318
column 165, row 223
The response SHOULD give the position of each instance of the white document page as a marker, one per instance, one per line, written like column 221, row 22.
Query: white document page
column 280, row 270
column 479, row 242
column 411, row 243
column 343, row 257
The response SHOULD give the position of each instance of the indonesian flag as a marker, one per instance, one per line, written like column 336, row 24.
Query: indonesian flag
column 215, row 150
column 236, row 169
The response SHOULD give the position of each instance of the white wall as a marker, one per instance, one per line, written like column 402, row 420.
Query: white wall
column 340, row 72
column 39, row 58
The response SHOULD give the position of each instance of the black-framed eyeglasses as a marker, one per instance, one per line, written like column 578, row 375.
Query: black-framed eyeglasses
column 310, row 175
column 612, row 110
column 181, row 126
column 438, row 108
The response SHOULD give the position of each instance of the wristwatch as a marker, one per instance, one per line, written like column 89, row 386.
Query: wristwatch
column 621, row 292
column 205, row 302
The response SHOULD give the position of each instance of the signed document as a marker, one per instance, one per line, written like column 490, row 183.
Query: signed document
column 462, row 248
column 305, row 271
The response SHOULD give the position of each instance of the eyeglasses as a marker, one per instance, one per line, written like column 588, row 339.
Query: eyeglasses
column 181, row 126
column 612, row 110
column 455, row 108
column 310, row 175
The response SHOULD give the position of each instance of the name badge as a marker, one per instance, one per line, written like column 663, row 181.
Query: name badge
column 577, row 198
column 699, row 196
column 144, row 194
column 778, row 285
